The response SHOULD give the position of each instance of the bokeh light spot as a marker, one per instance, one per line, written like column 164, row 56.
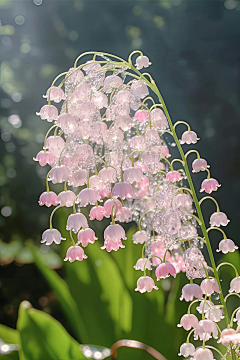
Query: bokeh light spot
column 6, row 211
column 19, row 19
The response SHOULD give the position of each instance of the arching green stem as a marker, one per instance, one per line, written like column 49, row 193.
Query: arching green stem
column 211, row 198
column 51, row 216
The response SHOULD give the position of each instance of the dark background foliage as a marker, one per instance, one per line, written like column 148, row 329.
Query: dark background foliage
column 194, row 47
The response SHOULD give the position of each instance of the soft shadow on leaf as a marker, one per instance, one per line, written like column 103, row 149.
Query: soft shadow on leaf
column 63, row 295
column 43, row 337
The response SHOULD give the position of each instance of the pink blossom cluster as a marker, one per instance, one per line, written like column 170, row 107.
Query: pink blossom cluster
column 108, row 150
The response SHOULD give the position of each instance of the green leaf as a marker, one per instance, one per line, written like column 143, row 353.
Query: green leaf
column 43, row 337
column 102, row 297
column 10, row 336
column 64, row 297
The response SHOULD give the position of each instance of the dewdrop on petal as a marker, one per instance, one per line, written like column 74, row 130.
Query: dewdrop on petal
column 186, row 350
column 226, row 246
column 145, row 283
column 219, row 219
column 142, row 62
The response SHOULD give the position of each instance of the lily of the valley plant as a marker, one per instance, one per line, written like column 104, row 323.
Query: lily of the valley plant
column 107, row 148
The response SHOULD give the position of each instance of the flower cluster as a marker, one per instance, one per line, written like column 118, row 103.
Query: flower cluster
column 109, row 151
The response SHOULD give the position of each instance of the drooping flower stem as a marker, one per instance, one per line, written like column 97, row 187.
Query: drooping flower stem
column 198, row 208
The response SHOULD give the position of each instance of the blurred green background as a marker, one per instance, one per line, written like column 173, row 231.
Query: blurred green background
column 194, row 49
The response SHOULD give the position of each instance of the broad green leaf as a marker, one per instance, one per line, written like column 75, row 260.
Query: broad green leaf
column 102, row 297
column 10, row 336
column 43, row 337
column 64, row 297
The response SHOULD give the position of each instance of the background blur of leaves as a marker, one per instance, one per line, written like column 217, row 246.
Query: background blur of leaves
column 194, row 48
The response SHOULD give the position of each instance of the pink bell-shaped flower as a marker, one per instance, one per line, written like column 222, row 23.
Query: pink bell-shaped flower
column 78, row 178
column 229, row 335
column 114, row 233
column 209, row 185
column 189, row 137
column 142, row 166
column 100, row 100
column 141, row 263
column 188, row 321
column 76, row 222
column 87, row 196
column 86, row 236
column 219, row 219
column 190, row 291
column 96, row 183
column 226, row 246
column 55, row 144
column 158, row 119
column 112, row 206
column 66, row 198
column 209, row 286
column 140, row 237
column 133, row 174
column 97, row 212
column 112, row 82
column 54, row 93
column 139, row 89
column 110, row 245
column 48, row 199
column 44, row 158
column 183, row 201
column 173, row 176
column 107, row 175
column 235, row 285
column 68, row 123
column 205, row 330
column 59, row 174
column 164, row 270
column 137, row 143
column 48, row 112
column 142, row 62
column 141, row 116
column 123, row 190
column 125, row 214
column 237, row 317
column 165, row 152
column 51, row 235
column 203, row 354
column 105, row 193
column 145, row 283
column 199, row 165
column 152, row 138
column 75, row 253
column 186, row 350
